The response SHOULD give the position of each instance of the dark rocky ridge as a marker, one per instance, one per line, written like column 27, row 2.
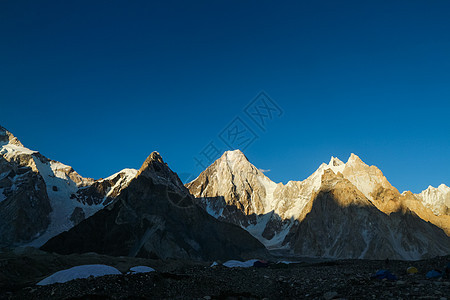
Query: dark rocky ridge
column 156, row 217
column 24, row 213
column 25, row 209
column 96, row 192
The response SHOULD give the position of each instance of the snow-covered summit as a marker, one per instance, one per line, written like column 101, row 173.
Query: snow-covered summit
column 437, row 199
column 234, row 155
column 235, row 159
column 42, row 197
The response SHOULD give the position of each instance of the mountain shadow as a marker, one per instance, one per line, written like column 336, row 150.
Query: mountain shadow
column 156, row 217
column 359, row 230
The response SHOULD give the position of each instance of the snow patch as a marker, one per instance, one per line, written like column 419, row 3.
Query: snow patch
column 214, row 264
column 211, row 211
column 141, row 269
column 78, row 272
column 240, row 264
column 128, row 174
column 10, row 150
column 60, row 201
column 260, row 225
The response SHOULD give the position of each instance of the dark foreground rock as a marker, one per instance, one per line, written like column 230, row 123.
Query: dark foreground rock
column 349, row 279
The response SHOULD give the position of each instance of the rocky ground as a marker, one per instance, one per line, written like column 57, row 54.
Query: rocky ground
column 349, row 279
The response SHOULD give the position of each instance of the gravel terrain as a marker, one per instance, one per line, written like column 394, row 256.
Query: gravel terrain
column 348, row 279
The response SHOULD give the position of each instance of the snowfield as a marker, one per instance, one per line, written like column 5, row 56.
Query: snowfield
column 78, row 272
column 141, row 269
column 240, row 264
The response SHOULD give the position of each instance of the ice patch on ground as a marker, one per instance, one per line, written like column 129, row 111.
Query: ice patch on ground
column 83, row 271
column 141, row 269
column 240, row 264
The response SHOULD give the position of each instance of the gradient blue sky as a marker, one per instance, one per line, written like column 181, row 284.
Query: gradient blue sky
column 99, row 85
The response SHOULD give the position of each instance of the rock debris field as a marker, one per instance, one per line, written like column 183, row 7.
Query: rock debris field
column 344, row 279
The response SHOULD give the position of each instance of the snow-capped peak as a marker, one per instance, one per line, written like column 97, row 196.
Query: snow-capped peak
column 437, row 199
column 237, row 161
column 444, row 188
column 234, row 155
column 441, row 188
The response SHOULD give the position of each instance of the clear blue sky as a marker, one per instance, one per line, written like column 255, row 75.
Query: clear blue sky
column 99, row 85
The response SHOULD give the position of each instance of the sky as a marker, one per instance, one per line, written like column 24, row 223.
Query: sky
column 99, row 85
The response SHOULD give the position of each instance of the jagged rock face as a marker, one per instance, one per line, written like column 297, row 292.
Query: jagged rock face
column 40, row 198
column 77, row 216
column 7, row 137
column 342, row 222
column 375, row 186
column 366, row 178
column 279, row 209
column 103, row 191
column 24, row 204
column 156, row 217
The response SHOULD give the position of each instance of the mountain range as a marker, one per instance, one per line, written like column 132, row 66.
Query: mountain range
column 140, row 213
column 343, row 210
column 40, row 197
column 231, row 210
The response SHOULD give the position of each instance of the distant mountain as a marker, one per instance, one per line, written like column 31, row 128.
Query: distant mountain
column 155, row 216
column 341, row 222
column 40, row 198
column 375, row 221
column 436, row 199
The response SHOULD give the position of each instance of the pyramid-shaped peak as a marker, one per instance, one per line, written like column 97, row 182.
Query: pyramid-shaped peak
column 156, row 169
column 355, row 159
column 234, row 155
column 335, row 162
column 154, row 159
